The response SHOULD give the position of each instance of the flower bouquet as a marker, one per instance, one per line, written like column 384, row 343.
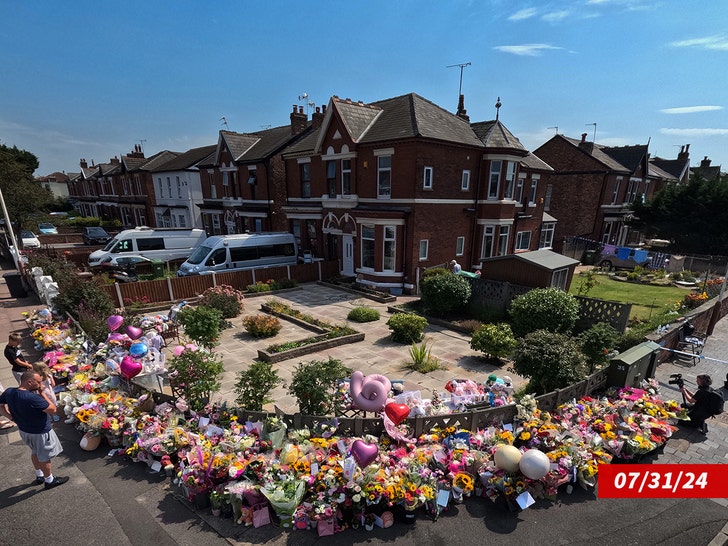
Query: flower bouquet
column 284, row 496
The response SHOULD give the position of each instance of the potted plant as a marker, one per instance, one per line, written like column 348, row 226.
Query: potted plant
column 216, row 500
column 368, row 521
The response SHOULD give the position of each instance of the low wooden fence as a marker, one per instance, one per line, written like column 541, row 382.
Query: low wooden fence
column 182, row 288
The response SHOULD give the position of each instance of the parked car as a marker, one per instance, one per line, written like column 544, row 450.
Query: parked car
column 28, row 239
column 46, row 228
column 613, row 262
column 95, row 236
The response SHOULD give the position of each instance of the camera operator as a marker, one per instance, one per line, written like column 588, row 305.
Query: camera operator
column 698, row 402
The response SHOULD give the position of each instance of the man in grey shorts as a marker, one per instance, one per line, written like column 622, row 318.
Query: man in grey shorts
column 31, row 410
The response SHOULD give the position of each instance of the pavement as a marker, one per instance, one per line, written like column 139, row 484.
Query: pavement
column 111, row 501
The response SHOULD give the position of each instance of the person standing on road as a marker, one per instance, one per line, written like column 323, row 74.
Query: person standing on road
column 15, row 356
column 31, row 410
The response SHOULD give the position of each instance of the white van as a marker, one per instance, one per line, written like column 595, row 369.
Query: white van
column 155, row 244
column 222, row 253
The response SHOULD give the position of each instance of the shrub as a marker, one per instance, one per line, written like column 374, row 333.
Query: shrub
column 433, row 272
column 495, row 340
column 195, row 374
column 587, row 281
column 550, row 360
column 262, row 325
column 422, row 359
column 632, row 337
column 406, row 327
column 225, row 299
column 544, row 309
column 202, row 324
column 315, row 384
column 254, row 385
column 470, row 325
column 442, row 294
column 258, row 287
column 363, row 314
column 596, row 343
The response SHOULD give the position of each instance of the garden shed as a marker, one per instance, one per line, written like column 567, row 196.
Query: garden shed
column 536, row 269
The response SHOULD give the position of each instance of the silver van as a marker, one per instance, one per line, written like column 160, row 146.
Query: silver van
column 155, row 244
column 222, row 253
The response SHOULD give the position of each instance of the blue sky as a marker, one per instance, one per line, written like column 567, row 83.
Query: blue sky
column 89, row 80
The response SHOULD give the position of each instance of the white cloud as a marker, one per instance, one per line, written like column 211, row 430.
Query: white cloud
column 690, row 109
column 525, row 13
column 556, row 16
column 719, row 43
column 694, row 132
column 528, row 50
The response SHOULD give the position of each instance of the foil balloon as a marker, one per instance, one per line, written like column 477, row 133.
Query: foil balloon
column 364, row 454
column 134, row 332
column 369, row 393
column 397, row 412
column 534, row 464
column 114, row 322
column 130, row 367
column 138, row 350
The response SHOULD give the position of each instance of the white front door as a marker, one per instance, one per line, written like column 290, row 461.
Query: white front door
column 347, row 242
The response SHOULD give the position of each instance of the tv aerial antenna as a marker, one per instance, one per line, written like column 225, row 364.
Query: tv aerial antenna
column 554, row 127
column 595, row 130
column 224, row 121
column 462, row 66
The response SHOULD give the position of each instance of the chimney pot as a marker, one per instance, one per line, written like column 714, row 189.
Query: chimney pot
column 583, row 137
column 318, row 109
column 295, row 108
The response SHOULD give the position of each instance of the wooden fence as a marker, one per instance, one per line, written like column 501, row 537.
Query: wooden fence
column 182, row 288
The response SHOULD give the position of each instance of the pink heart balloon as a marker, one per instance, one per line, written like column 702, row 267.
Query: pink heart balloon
column 134, row 332
column 114, row 322
column 364, row 454
column 130, row 367
column 116, row 336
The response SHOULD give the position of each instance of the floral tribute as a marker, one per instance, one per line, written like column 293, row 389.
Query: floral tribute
column 320, row 477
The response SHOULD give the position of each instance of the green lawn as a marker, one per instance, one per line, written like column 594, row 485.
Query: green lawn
column 647, row 300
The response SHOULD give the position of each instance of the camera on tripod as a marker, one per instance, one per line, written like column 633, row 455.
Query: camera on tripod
column 676, row 379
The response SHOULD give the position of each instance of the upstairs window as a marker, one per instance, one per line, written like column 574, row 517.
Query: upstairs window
column 615, row 193
column 465, row 181
column 519, row 190
column 384, row 176
column 510, row 180
column 427, row 179
column 305, row 180
column 331, row 178
column 460, row 246
column 494, row 181
column 346, row 177
column 534, row 191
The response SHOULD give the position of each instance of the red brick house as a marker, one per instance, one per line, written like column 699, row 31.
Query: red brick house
column 243, row 181
column 396, row 186
column 592, row 188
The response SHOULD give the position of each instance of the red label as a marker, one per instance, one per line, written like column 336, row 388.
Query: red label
column 679, row 481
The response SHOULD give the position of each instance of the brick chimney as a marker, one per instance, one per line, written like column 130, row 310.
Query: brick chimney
column 462, row 112
column 684, row 154
column 588, row 147
column 114, row 160
column 83, row 164
column 705, row 163
column 136, row 152
column 318, row 117
column 298, row 120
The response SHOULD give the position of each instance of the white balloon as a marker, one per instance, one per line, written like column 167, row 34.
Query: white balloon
column 534, row 464
column 507, row 458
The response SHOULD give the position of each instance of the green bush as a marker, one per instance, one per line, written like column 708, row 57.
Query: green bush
column 315, row 384
column 544, row 309
column 596, row 343
column 195, row 374
column 254, row 385
column 550, row 360
column 225, row 299
column 442, row 294
column 495, row 340
column 259, row 287
column 262, row 325
column 433, row 272
column 202, row 324
column 363, row 314
column 406, row 327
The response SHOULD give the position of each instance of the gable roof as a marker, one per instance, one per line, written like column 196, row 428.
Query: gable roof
column 160, row 158
column 133, row 163
column 237, row 143
column 675, row 167
column 186, row 160
column 304, row 146
column 535, row 163
column 493, row 134
column 628, row 156
column 656, row 172
column 595, row 151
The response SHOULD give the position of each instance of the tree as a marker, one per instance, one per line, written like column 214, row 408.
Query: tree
column 23, row 196
column 551, row 361
column 692, row 216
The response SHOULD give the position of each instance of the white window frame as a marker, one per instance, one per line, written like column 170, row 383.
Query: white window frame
column 424, row 249
column 510, row 180
column 460, row 246
column 534, row 193
column 547, row 235
column 494, row 179
column 346, row 177
column 504, row 234
column 558, row 278
column 488, row 241
column 615, row 194
column 373, row 240
column 390, row 236
column 519, row 189
column 523, row 240
column 465, row 180
column 427, row 178
column 169, row 187
column 161, row 188
column 179, row 188
column 547, row 197
column 384, row 193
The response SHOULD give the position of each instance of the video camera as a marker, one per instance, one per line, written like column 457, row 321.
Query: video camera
column 676, row 379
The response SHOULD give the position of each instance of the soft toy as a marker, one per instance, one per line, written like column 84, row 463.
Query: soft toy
column 246, row 516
